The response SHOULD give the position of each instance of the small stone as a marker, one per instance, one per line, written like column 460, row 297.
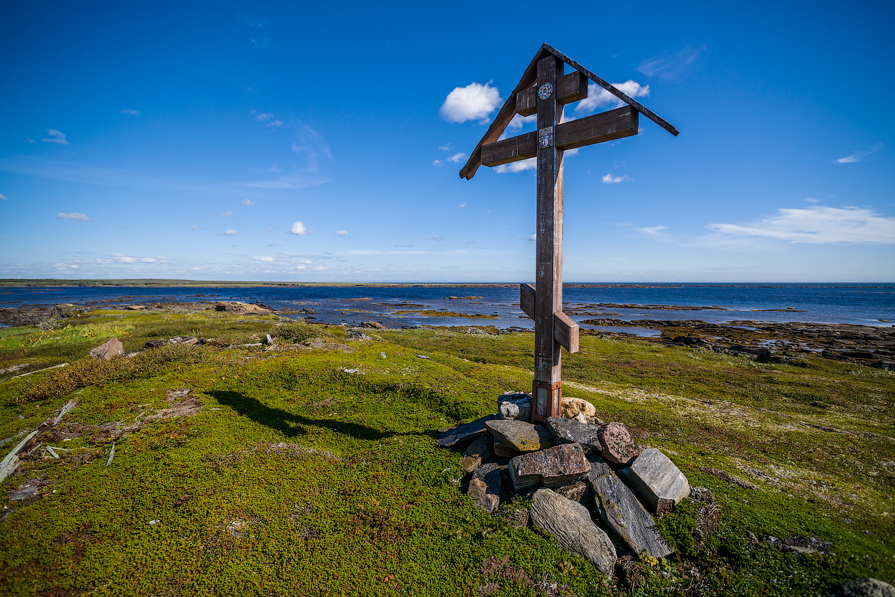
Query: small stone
column 477, row 453
column 520, row 435
column 577, row 492
column 504, row 451
column 865, row 587
column 514, row 406
column 572, row 406
column 581, row 418
column 555, row 466
column 572, row 431
column 617, row 506
column 268, row 339
column 569, row 523
column 461, row 433
column 484, row 488
column 658, row 482
column 618, row 446
column 108, row 350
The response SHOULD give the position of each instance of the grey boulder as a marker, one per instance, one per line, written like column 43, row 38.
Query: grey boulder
column 865, row 587
column 573, row 431
column 658, row 482
column 514, row 406
column 555, row 466
column 108, row 350
column 520, row 435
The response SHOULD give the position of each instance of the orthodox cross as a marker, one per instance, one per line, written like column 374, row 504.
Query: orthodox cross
column 544, row 91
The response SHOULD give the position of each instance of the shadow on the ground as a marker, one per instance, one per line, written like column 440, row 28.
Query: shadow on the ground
column 291, row 424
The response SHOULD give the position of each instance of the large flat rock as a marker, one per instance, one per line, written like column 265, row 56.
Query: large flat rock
column 657, row 481
column 520, row 435
column 554, row 466
column 461, row 433
column 569, row 523
column 618, row 507
column 572, row 431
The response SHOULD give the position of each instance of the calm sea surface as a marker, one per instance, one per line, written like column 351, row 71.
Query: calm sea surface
column 864, row 304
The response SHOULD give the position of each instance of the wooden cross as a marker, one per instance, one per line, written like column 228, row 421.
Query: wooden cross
column 544, row 91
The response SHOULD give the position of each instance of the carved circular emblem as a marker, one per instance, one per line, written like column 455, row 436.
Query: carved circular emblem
column 545, row 91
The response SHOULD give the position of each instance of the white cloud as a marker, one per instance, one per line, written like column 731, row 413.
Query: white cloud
column 341, row 233
column 462, row 205
column 73, row 216
column 458, row 157
column 263, row 116
column 268, row 259
column 273, row 245
column 30, row 140
column 275, row 123
column 445, row 147
column 811, row 200
column 3, row 197
column 859, row 156
column 437, row 238
column 120, row 258
column 819, row 225
column 194, row 227
column 55, row 137
column 247, row 202
column 520, row 166
column 131, row 112
column 610, row 179
column 670, row 65
column 299, row 229
column 597, row 97
column 231, row 233
column 518, row 122
column 226, row 213
column 438, row 163
column 473, row 102
column 533, row 238
column 652, row 229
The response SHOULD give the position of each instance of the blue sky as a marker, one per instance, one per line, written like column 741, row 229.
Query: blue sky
column 322, row 141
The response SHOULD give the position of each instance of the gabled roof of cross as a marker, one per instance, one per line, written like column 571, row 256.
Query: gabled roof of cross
column 508, row 110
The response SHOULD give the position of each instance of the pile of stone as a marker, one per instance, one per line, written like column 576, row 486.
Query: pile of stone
column 576, row 469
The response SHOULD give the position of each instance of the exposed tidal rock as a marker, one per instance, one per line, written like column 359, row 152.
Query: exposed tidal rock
column 485, row 486
column 617, row 445
column 572, row 406
column 109, row 349
column 514, row 406
column 555, row 466
column 617, row 506
column 657, row 481
column 520, row 435
column 571, row 526
column 477, row 453
column 573, row 431
column 461, row 433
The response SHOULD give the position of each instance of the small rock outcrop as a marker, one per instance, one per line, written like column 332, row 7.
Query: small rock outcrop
column 520, row 435
column 555, row 466
column 658, row 482
column 108, row 350
column 514, row 406
column 570, row 525
column 865, row 587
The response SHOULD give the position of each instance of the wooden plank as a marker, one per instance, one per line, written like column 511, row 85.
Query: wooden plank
column 599, row 128
column 527, row 102
column 565, row 330
column 527, row 299
column 514, row 149
column 620, row 95
column 571, row 88
column 503, row 118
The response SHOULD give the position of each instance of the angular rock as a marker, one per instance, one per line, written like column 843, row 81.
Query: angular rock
column 189, row 340
column 572, row 406
column 108, row 350
column 477, row 453
column 619, row 508
column 504, row 451
column 461, row 433
column 484, row 487
column 617, row 445
column 268, row 339
column 865, row 587
column 579, row 491
column 555, row 466
column 373, row 325
column 657, row 481
column 520, row 435
column 573, row 431
column 570, row 525
column 514, row 406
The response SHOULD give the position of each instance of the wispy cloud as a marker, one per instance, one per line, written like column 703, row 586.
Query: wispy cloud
column 458, row 157
column 55, row 136
column 671, row 65
column 859, row 156
column 520, row 166
column 811, row 200
column 438, row 163
column 3, row 197
column 131, row 112
column 462, row 205
column 818, row 225
column 437, row 238
column 73, row 216
column 194, row 227
column 597, row 97
column 247, row 202
column 533, row 238
column 231, row 233
column 299, row 229
column 445, row 147
column 518, row 122
column 121, row 258
column 265, row 258
column 652, row 230
column 473, row 102
column 275, row 123
column 264, row 116
column 610, row 179
column 341, row 233
column 227, row 214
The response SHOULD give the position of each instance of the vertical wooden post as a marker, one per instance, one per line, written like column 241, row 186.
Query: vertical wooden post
column 547, row 387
